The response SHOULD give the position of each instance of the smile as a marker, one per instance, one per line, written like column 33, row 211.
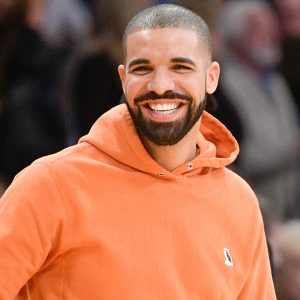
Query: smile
column 163, row 108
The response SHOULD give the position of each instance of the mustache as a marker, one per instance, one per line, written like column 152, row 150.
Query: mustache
column 166, row 95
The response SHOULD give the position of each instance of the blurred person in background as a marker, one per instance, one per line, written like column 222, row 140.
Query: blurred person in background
column 289, row 16
column 259, row 105
column 65, row 23
column 287, row 271
column 31, row 123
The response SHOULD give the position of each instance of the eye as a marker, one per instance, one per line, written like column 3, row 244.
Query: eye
column 140, row 70
column 181, row 68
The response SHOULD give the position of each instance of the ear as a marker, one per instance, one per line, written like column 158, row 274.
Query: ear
column 212, row 77
column 122, row 74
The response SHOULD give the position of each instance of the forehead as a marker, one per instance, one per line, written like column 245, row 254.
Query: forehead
column 163, row 42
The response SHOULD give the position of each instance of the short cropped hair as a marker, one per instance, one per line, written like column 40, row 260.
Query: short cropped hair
column 169, row 16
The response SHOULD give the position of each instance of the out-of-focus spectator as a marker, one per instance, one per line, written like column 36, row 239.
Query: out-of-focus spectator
column 92, row 85
column 256, row 103
column 31, row 123
column 287, row 271
column 65, row 23
column 289, row 16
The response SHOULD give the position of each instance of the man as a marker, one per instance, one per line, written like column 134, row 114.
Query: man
column 266, row 115
column 144, row 206
column 28, row 80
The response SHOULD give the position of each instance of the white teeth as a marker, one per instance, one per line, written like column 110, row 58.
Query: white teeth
column 163, row 108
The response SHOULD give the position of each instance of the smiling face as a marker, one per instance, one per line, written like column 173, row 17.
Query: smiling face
column 165, row 81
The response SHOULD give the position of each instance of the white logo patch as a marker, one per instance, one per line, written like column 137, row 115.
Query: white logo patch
column 228, row 259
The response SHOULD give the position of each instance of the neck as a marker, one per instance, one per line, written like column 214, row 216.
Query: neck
column 170, row 157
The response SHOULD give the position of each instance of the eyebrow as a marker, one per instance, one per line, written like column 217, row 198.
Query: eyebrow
column 141, row 61
column 138, row 61
column 183, row 60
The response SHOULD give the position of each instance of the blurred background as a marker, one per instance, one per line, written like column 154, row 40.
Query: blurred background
column 58, row 74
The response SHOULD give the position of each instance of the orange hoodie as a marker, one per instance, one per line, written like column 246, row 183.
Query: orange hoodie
column 102, row 220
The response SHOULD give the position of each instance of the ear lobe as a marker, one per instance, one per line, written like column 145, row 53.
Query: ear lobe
column 122, row 74
column 212, row 78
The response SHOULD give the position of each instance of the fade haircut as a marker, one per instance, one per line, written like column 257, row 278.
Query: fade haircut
column 169, row 16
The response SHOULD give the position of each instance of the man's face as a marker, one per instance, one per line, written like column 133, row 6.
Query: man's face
column 165, row 81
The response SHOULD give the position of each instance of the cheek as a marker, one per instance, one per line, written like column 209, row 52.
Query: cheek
column 196, row 88
column 134, row 86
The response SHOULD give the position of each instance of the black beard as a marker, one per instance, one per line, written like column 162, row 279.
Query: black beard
column 170, row 133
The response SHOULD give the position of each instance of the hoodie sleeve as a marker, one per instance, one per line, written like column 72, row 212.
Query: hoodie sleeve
column 31, row 216
column 259, row 282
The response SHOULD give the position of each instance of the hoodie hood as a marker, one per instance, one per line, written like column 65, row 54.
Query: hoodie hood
column 115, row 135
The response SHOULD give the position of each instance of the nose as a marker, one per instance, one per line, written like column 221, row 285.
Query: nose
column 161, row 82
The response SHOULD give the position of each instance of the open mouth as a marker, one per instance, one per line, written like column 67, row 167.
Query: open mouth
column 162, row 107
